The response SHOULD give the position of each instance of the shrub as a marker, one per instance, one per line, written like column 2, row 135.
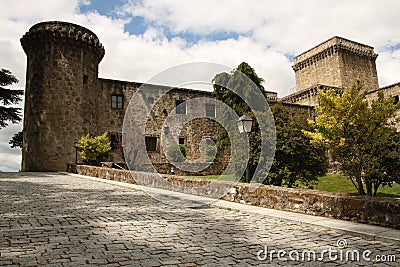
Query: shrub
column 176, row 153
column 93, row 150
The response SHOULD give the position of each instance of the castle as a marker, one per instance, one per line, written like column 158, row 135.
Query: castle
column 65, row 99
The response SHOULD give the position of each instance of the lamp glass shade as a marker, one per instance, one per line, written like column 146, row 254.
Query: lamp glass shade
column 244, row 124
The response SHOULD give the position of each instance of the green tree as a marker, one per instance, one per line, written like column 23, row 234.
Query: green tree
column 176, row 153
column 296, row 159
column 356, row 134
column 238, row 84
column 382, row 165
column 94, row 149
column 9, row 97
column 16, row 140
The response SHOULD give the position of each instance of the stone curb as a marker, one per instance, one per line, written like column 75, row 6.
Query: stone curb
column 364, row 230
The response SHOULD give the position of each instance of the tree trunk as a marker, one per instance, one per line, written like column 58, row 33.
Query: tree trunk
column 376, row 186
column 361, row 191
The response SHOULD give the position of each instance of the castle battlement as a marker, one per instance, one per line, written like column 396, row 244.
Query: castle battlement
column 61, row 31
column 337, row 62
column 330, row 47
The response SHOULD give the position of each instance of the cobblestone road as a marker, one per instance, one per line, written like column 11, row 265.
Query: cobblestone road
column 61, row 220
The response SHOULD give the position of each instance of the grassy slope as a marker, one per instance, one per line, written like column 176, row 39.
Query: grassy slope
column 337, row 183
column 331, row 183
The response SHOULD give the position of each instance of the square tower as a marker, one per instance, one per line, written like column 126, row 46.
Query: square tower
column 336, row 62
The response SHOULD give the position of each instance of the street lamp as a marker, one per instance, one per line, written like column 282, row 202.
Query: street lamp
column 244, row 124
column 76, row 145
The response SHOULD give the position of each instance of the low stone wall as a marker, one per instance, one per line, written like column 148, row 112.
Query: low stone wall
column 206, row 168
column 371, row 210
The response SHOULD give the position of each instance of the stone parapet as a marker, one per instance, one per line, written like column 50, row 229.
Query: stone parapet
column 330, row 47
column 372, row 210
column 62, row 31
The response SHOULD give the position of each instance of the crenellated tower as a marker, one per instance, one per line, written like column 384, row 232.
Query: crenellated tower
column 61, row 92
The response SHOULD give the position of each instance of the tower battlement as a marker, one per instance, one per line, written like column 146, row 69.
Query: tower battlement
column 53, row 31
column 330, row 47
column 337, row 62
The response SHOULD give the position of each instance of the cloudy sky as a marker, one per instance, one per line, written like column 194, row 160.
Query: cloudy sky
column 143, row 37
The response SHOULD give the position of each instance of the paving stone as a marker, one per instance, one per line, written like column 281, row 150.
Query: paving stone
column 60, row 220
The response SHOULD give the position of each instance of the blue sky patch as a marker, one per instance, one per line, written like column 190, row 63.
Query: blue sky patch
column 103, row 7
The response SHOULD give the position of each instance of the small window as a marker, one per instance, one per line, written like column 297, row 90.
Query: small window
column 181, row 140
column 180, row 107
column 210, row 110
column 151, row 143
column 85, row 79
column 116, row 141
column 396, row 100
column 117, row 101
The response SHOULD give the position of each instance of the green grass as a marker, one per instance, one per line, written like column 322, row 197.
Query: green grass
column 337, row 183
column 330, row 183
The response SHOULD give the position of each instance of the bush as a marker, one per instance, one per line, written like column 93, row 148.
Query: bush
column 176, row 153
column 93, row 150
column 211, row 153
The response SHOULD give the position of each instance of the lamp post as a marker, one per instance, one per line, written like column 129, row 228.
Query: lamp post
column 76, row 145
column 244, row 124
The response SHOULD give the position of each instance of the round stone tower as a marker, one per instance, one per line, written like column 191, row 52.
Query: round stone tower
column 61, row 93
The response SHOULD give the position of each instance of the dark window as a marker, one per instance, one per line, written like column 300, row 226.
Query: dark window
column 181, row 140
column 150, row 100
column 180, row 107
column 151, row 143
column 116, row 141
column 210, row 110
column 85, row 79
column 117, row 101
column 396, row 99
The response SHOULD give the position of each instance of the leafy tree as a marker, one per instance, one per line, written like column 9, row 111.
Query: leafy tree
column 357, row 135
column 382, row 166
column 9, row 97
column 296, row 159
column 94, row 149
column 176, row 153
column 16, row 140
column 238, row 84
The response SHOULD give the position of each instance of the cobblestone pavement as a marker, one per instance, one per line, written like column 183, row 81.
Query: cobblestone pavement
column 50, row 219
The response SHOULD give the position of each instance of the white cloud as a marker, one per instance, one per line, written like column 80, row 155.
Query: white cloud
column 389, row 67
column 10, row 158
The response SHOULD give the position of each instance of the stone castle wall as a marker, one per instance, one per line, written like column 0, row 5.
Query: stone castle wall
column 193, row 132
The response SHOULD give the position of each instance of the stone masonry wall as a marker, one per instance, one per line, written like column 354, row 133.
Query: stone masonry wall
column 194, row 132
column 371, row 210
column 61, row 96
